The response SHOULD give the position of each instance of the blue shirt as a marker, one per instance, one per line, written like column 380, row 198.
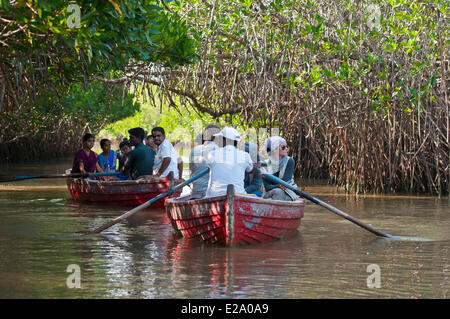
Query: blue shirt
column 288, row 175
column 256, row 182
column 109, row 163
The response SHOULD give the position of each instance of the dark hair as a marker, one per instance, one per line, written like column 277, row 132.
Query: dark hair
column 103, row 142
column 159, row 129
column 208, row 134
column 125, row 142
column 235, row 143
column 138, row 132
column 87, row 136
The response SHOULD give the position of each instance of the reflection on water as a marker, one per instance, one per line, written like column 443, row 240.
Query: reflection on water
column 40, row 236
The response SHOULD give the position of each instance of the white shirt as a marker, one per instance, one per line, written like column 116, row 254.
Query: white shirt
column 197, row 163
column 166, row 149
column 227, row 166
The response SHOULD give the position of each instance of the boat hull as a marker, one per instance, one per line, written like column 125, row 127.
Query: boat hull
column 234, row 219
column 122, row 193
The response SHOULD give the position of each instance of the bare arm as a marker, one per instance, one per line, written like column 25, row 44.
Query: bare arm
column 180, row 167
column 164, row 165
column 82, row 167
column 99, row 168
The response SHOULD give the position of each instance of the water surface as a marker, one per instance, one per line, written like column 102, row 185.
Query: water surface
column 142, row 258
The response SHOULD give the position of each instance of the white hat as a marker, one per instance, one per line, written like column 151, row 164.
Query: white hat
column 229, row 133
column 273, row 143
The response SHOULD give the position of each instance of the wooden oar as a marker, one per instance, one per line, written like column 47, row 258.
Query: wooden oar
column 317, row 201
column 9, row 178
column 150, row 202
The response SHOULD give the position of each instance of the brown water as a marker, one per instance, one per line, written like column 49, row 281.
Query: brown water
column 141, row 258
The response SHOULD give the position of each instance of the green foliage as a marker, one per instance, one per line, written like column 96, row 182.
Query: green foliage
column 48, row 63
column 180, row 123
column 92, row 105
column 111, row 35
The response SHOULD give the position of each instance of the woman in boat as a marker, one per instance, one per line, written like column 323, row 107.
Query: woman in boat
column 280, row 165
column 107, row 159
column 253, row 180
column 86, row 160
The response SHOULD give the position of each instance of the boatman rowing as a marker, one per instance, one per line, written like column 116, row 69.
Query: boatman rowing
column 227, row 164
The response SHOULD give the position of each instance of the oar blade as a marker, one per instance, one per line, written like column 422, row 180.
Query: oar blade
column 106, row 226
column 150, row 202
column 130, row 212
column 317, row 201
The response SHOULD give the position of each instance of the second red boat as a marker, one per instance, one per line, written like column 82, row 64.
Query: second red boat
column 122, row 193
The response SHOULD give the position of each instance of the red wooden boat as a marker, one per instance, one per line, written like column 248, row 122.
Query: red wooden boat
column 123, row 193
column 234, row 218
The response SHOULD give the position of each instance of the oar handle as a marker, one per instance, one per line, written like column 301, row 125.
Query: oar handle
column 317, row 201
column 169, row 192
column 84, row 175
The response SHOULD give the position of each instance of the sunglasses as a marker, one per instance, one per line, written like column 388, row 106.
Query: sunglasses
column 284, row 147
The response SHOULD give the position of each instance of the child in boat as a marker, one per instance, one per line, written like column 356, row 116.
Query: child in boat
column 280, row 165
column 124, row 149
column 149, row 142
column 107, row 159
column 86, row 160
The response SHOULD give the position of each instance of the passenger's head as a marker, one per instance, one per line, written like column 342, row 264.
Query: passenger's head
column 227, row 136
column 125, row 146
column 88, row 140
column 149, row 142
column 276, row 147
column 137, row 134
column 208, row 134
column 105, row 144
column 158, row 135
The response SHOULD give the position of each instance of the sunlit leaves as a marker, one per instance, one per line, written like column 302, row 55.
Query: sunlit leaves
column 112, row 31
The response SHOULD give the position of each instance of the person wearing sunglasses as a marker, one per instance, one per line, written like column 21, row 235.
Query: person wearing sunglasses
column 280, row 165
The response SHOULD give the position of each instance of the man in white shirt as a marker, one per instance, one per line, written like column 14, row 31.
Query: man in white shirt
column 227, row 164
column 197, row 160
column 167, row 159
